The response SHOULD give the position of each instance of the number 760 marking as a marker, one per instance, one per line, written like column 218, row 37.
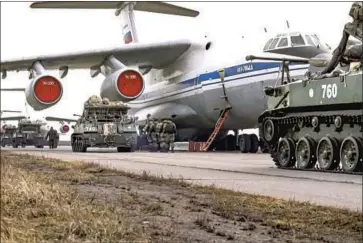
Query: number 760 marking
column 329, row 90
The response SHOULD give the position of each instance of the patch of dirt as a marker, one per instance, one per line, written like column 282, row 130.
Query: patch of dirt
column 173, row 211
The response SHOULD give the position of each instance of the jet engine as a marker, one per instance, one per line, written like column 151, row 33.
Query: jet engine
column 43, row 92
column 123, row 85
column 64, row 128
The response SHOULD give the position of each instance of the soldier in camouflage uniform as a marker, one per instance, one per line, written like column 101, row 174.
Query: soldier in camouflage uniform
column 168, row 134
column 158, row 130
column 151, row 135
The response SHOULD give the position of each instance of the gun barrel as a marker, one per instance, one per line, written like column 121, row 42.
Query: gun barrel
column 290, row 59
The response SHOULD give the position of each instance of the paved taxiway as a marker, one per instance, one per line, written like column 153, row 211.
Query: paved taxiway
column 252, row 173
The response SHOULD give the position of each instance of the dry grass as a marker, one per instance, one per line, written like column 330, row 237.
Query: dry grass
column 35, row 207
column 305, row 219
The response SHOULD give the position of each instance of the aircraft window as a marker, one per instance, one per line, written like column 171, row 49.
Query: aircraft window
column 273, row 44
column 282, row 43
column 267, row 44
column 308, row 39
column 297, row 40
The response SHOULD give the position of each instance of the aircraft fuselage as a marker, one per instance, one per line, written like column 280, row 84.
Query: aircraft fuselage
column 191, row 89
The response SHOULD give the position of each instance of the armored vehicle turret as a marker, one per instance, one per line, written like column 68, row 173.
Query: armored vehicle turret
column 316, row 123
column 104, row 124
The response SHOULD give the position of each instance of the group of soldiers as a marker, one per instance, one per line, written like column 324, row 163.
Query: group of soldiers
column 160, row 134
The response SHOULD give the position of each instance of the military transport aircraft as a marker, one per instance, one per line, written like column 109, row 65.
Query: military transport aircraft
column 168, row 78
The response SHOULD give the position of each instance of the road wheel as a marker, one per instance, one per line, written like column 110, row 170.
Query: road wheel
column 245, row 143
column 254, row 143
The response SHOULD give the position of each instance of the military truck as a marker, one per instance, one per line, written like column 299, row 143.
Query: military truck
column 104, row 124
column 8, row 135
column 316, row 123
column 29, row 133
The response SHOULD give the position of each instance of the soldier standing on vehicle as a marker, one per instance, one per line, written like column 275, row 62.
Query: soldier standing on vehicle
column 169, row 133
column 51, row 134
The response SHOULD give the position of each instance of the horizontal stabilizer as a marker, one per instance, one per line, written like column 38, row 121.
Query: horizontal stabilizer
column 10, row 111
column 153, row 7
column 13, row 89
column 59, row 119
column 12, row 118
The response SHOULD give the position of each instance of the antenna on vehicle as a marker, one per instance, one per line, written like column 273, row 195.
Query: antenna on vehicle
column 287, row 24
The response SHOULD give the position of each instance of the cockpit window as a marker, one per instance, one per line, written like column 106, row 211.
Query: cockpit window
column 273, row 44
column 297, row 40
column 308, row 39
column 283, row 42
column 267, row 44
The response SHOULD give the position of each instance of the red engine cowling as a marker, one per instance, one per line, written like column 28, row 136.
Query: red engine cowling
column 43, row 92
column 64, row 128
column 123, row 85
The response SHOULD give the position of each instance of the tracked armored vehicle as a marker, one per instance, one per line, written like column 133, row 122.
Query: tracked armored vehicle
column 104, row 124
column 316, row 123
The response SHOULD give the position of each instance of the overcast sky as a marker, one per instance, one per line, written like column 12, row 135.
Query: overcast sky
column 26, row 32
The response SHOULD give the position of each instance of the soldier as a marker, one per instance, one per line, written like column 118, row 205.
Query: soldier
column 158, row 131
column 151, row 135
column 169, row 133
column 52, row 134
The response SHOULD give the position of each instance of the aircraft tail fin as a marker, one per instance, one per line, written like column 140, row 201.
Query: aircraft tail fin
column 124, row 9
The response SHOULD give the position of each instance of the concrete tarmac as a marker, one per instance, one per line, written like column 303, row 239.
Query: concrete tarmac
column 251, row 173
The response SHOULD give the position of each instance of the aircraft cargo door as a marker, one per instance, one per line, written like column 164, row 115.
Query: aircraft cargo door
column 211, row 95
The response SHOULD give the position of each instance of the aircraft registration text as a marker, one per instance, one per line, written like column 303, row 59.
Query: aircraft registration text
column 244, row 68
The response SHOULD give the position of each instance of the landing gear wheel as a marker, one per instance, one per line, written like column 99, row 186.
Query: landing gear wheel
column 245, row 143
column 305, row 153
column 254, row 143
column 286, row 152
column 351, row 154
column 327, row 153
column 269, row 130
column 230, row 142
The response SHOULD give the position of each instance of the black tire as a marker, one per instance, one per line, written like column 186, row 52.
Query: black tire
column 15, row 146
column 230, row 143
column 254, row 143
column 245, row 143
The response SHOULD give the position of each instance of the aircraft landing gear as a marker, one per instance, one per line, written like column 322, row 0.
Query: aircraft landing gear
column 248, row 143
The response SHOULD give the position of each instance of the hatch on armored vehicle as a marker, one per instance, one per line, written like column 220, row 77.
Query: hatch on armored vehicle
column 104, row 124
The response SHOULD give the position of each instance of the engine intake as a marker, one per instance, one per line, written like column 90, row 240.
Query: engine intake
column 123, row 85
column 43, row 92
column 64, row 129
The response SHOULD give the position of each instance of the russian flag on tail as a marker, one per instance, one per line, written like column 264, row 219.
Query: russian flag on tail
column 127, row 37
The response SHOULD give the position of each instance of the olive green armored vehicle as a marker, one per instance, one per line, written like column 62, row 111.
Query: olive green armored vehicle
column 316, row 123
column 104, row 124
column 7, row 135
column 30, row 133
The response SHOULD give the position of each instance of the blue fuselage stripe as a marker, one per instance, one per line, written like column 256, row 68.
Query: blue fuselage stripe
column 229, row 72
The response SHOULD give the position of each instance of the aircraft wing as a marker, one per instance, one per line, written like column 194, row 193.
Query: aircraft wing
column 12, row 118
column 156, row 55
column 59, row 119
